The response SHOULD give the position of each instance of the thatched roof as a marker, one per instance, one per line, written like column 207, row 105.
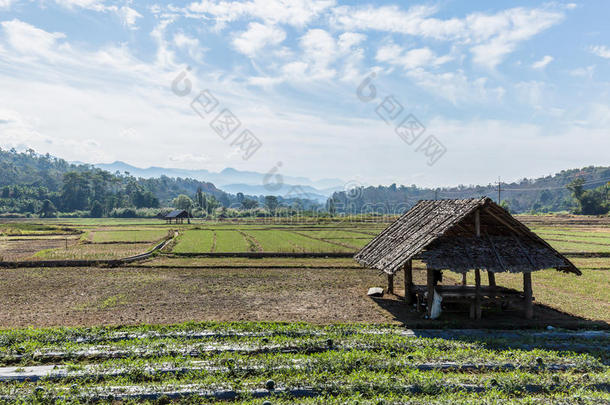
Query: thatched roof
column 442, row 234
column 177, row 214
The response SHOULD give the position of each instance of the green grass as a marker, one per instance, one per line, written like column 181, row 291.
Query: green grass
column 31, row 228
column 252, row 239
column 578, row 247
column 343, row 363
column 231, row 241
column 195, row 241
column 587, row 296
column 286, row 241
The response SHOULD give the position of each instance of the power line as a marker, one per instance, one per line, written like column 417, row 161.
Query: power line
column 527, row 189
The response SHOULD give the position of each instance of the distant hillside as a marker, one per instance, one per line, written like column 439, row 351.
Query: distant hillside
column 228, row 176
column 33, row 183
column 307, row 192
column 43, row 184
column 545, row 194
column 29, row 178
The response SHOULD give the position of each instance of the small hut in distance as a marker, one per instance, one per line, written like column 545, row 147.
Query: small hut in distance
column 462, row 235
column 178, row 216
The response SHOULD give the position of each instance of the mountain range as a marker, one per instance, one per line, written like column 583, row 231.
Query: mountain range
column 234, row 181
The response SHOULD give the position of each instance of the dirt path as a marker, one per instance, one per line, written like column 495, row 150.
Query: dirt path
column 213, row 248
column 253, row 244
column 344, row 245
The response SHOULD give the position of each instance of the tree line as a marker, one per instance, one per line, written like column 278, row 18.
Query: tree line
column 48, row 186
column 579, row 191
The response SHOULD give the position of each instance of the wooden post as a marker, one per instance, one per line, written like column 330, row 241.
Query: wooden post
column 430, row 284
column 464, row 279
column 477, row 294
column 477, row 272
column 390, row 283
column 409, row 282
column 492, row 278
column 527, row 295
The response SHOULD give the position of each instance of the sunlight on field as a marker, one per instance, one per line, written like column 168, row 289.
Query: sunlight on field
column 585, row 296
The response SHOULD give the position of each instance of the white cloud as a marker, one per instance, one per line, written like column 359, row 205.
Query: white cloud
column 421, row 57
column 455, row 86
column 293, row 12
column 541, row 64
column 319, row 52
column 348, row 44
column 512, row 27
column 415, row 21
column 190, row 44
column 322, row 58
column 6, row 4
column 600, row 50
column 533, row 93
column 128, row 16
column 27, row 39
column 97, row 5
column 491, row 37
column 257, row 37
column 583, row 71
column 348, row 40
column 165, row 55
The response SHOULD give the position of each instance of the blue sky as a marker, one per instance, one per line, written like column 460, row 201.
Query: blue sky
column 504, row 88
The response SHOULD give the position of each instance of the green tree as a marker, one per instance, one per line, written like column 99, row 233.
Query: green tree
column 97, row 210
column 577, row 187
column 200, row 197
column 48, row 209
column 249, row 204
column 331, row 206
column 75, row 191
column 271, row 202
column 182, row 202
column 589, row 202
column 211, row 204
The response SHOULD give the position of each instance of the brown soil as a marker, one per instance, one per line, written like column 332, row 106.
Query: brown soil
column 98, row 296
column 14, row 250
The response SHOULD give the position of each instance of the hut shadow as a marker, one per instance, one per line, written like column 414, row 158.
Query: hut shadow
column 455, row 316
column 506, row 329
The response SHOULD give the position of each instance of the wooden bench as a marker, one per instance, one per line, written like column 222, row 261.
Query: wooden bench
column 467, row 294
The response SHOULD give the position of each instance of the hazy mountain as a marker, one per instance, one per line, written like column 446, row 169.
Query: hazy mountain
column 286, row 190
column 233, row 180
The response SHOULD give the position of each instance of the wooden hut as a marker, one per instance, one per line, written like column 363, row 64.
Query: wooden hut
column 462, row 235
column 177, row 216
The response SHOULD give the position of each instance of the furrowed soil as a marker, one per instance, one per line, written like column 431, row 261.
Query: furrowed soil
column 113, row 296
column 21, row 249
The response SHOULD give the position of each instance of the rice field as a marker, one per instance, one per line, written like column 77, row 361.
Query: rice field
column 127, row 236
column 92, row 251
column 355, row 350
column 263, row 240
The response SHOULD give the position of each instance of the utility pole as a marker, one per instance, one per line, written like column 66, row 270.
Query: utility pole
column 499, row 190
column 436, row 194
